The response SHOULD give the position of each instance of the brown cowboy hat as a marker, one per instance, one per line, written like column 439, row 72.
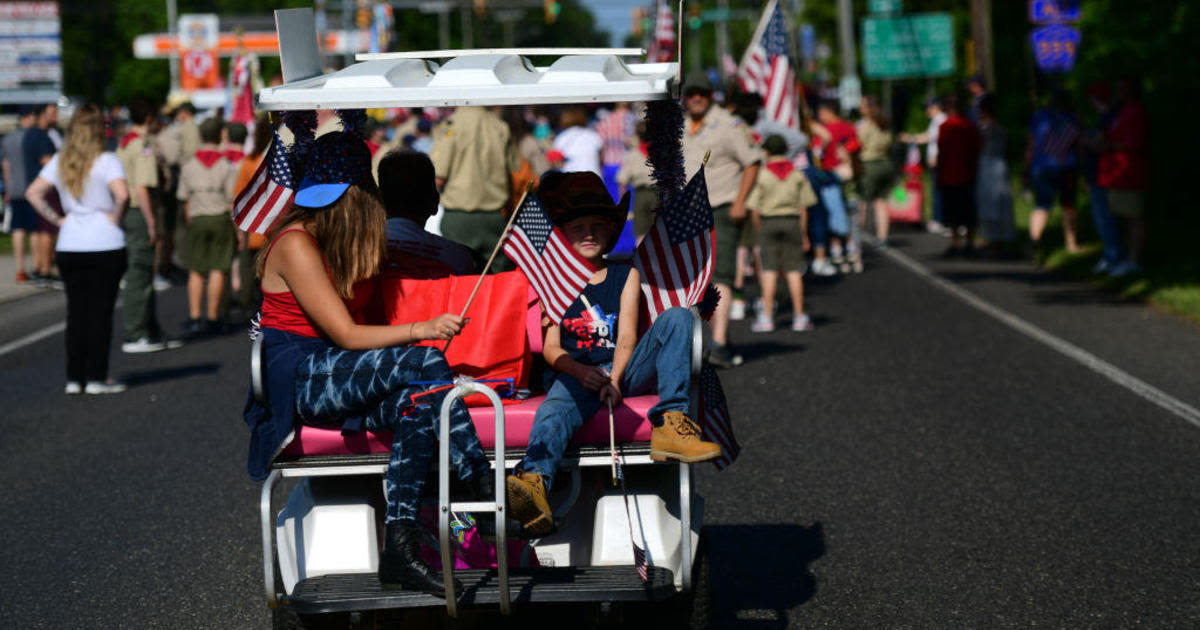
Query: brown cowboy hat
column 569, row 196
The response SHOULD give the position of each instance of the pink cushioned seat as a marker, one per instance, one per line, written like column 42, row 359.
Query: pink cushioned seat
column 629, row 420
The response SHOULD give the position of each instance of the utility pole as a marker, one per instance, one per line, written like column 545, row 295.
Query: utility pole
column 173, row 28
column 468, row 31
column 981, row 33
column 849, row 87
column 722, row 36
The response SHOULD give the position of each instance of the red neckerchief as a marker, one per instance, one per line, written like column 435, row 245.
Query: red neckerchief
column 208, row 157
column 645, row 149
column 129, row 137
column 233, row 155
column 780, row 168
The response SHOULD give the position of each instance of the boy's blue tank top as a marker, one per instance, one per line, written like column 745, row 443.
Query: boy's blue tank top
column 590, row 335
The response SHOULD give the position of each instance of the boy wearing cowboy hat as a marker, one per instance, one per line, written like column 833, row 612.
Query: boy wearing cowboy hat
column 596, row 355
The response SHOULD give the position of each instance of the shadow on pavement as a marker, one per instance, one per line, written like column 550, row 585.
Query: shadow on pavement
column 760, row 572
column 762, row 349
column 145, row 377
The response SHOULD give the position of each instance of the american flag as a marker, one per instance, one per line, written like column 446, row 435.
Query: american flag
column 557, row 272
column 676, row 256
column 715, row 423
column 766, row 67
column 269, row 193
column 663, row 48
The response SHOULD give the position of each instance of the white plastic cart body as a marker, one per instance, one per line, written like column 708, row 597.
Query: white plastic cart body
column 321, row 551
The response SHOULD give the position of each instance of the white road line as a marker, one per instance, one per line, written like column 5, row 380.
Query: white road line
column 32, row 337
column 1087, row 359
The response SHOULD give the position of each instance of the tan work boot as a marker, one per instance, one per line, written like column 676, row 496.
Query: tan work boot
column 679, row 438
column 527, row 503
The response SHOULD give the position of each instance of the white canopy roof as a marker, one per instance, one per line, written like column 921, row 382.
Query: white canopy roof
column 476, row 79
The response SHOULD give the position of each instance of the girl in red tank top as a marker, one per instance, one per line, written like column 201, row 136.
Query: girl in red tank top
column 333, row 368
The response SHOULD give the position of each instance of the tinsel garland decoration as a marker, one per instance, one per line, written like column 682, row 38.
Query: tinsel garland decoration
column 664, row 126
column 303, row 125
column 354, row 121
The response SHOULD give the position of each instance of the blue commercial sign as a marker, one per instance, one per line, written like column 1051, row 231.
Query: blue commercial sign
column 1054, row 11
column 1055, row 47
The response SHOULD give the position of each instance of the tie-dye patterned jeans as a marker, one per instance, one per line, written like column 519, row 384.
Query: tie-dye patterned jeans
column 334, row 384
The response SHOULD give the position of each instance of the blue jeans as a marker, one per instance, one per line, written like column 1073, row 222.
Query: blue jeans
column 662, row 360
column 1106, row 224
column 373, row 386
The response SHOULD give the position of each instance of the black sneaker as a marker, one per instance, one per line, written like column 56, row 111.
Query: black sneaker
column 194, row 328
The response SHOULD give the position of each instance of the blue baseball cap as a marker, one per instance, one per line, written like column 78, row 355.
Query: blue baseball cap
column 336, row 161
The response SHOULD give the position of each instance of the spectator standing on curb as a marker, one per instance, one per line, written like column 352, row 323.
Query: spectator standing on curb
column 615, row 128
column 1093, row 147
column 474, row 160
column 177, row 144
column 37, row 148
column 839, row 147
column 206, row 189
column 778, row 205
column 91, row 256
column 24, row 219
column 1053, row 159
column 874, row 133
column 732, row 168
column 937, row 115
column 1125, row 169
column 993, row 189
column 958, row 157
column 579, row 144
column 142, row 331
column 527, row 146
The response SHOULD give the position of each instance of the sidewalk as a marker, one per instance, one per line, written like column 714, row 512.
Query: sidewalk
column 9, row 289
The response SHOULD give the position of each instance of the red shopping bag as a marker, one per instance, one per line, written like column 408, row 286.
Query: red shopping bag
column 493, row 345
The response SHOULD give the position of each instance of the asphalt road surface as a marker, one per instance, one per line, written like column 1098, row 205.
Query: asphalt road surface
column 912, row 463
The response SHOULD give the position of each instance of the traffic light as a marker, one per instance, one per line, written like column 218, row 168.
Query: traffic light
column 362, row 15
column 694, row 20
column 480, row 7
column 635, row 21
column 552, row 9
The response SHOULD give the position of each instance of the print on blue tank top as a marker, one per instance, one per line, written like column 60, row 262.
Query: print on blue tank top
column 589, row 335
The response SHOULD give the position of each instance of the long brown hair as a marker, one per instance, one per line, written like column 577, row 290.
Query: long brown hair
column 873, row 111
column 83, row 144
column 351, row 234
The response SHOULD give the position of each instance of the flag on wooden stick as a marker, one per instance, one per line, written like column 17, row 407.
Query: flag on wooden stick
column 555, row 270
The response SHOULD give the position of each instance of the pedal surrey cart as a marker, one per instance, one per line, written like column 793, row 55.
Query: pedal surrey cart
column 321, row 548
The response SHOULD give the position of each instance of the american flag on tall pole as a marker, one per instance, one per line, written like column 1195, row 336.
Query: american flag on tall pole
column 663, row 47
column 557, row 272
column 269, row 193
column 766, row 67
column 676, row 257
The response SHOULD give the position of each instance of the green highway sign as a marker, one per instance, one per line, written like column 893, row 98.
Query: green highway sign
column 886, row 7
column 914, row 45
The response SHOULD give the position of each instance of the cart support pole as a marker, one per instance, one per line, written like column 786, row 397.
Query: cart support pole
column 444, row 506
column 268, row 548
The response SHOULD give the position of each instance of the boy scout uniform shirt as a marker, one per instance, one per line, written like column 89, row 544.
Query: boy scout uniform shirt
column 781, row 197
column 726, row 136
column 875, row 141
column 472, row 153
column 208, row 190
column 634, row 172
column 141, row 167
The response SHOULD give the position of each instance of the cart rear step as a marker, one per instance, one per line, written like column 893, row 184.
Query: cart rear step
column 361, row 591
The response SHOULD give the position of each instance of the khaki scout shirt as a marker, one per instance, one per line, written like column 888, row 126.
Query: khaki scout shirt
column 141, row 167
column 208, row 190
column 875, row 142
column 775, row 197
column 634, row 172
column 725, row 136
column 472, row 152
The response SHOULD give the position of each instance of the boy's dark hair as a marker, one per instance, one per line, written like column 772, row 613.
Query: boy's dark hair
column 406, row 179
column 141, row 111
column 185, row 106
column 237, row 133
column 210, row 131
column 775, row 145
